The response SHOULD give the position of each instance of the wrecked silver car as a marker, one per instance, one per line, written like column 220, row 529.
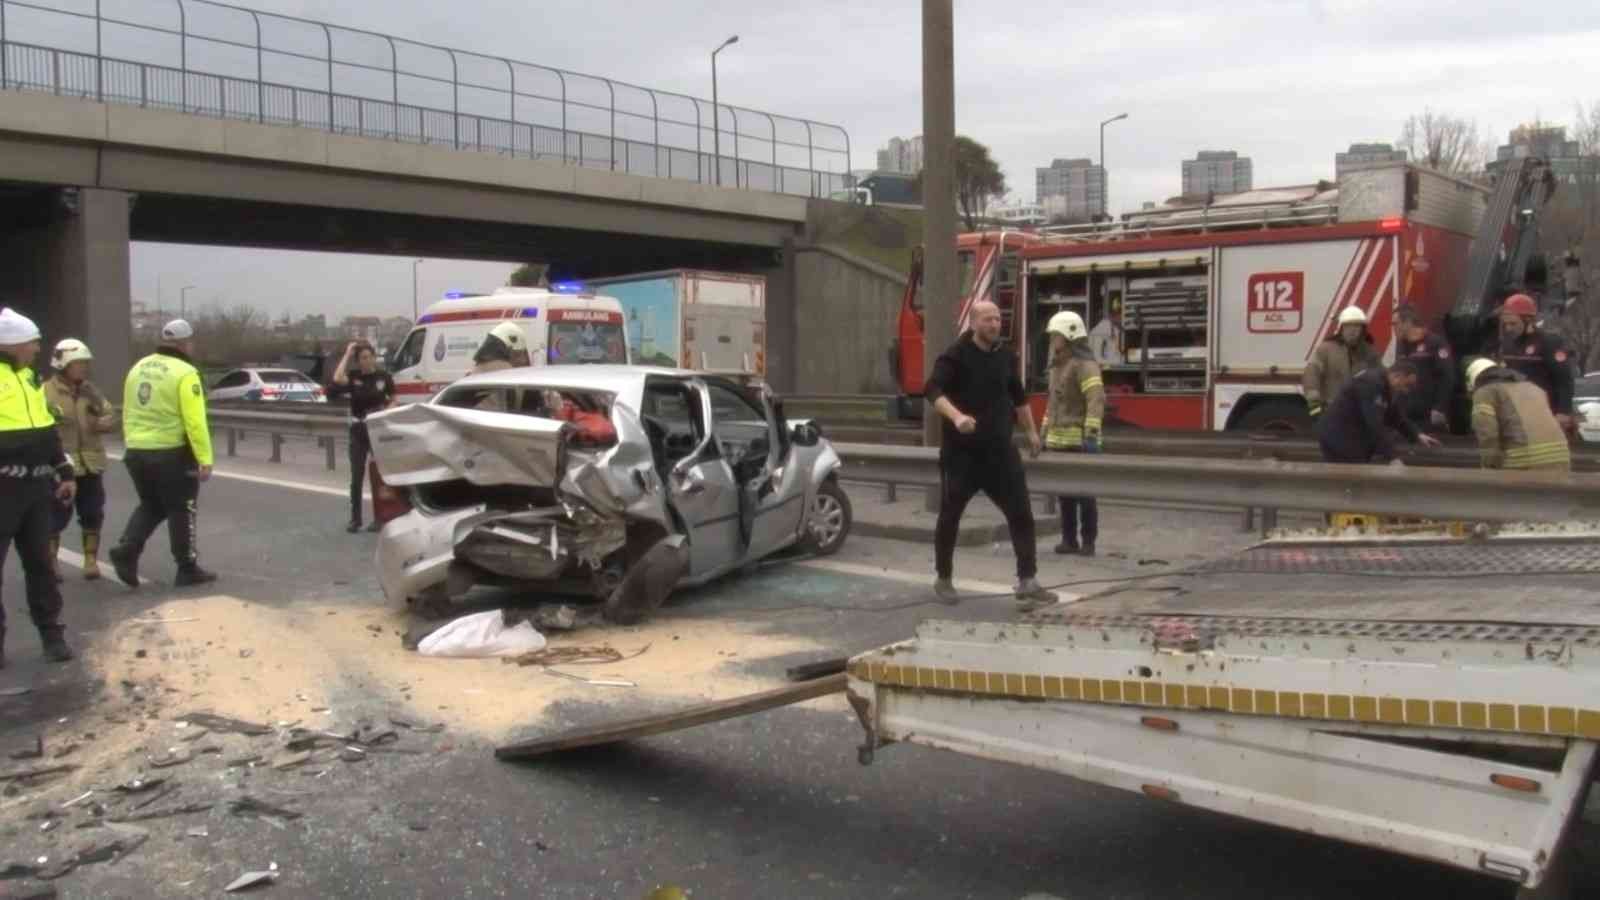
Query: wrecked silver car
column 621, row 483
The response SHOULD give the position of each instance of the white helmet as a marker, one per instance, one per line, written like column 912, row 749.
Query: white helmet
column 1475, row 370
column 1067, row 324
column 69, row 351
column 510, row 334
column 1352, row 315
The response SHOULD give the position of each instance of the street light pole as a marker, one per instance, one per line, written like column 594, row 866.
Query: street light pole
column 1105, row 199
column 716, row 121
column 183, row 301
column 414, row 265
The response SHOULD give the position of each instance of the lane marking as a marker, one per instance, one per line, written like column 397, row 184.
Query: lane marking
column 921, row 579
column 274, row 482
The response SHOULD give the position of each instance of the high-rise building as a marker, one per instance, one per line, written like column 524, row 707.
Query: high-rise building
column 1072, row 190
column 903, row 156
column 1565, row 157
column 1216, row 172
column 1363, row 155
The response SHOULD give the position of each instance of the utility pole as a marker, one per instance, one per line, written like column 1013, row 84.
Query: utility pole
column 939, row 278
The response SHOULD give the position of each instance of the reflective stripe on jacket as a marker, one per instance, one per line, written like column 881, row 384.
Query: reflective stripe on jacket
column 1077, row 403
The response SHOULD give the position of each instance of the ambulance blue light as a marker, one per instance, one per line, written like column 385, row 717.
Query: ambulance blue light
column 567, row 287
column 454, row 295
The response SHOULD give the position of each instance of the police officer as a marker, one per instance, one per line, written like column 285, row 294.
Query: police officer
column 1428, row 405
column 1072, row 420
column 1512, row 421
column 1337, row 359
column 1539, row 357
column 35, row 474
column 168, row 454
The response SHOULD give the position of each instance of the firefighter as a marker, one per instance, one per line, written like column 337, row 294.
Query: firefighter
column 1072, row 421
column 504, row 347
column 976, row 389
column 1357, row 425
column 83, row 415
column 1512, row 420
column 1538, row 356
column 1429, row 405
column 35, row 474
column 1336, row 360
column 168, row 455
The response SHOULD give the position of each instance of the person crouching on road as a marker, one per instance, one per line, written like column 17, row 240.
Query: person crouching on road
column 168, row 454
column 370, row 391
column 1072, row 421
column 976, row 388
column 83, row 415
column 1356, row 427
column 35, row 475
column 1336, row 360
column 1512, row 421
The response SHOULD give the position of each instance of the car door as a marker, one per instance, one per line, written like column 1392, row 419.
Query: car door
column 699, row 481
column 774, row 493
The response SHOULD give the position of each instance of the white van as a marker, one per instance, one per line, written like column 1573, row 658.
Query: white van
column 566, row 325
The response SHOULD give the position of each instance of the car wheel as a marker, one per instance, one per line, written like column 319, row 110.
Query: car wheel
column 830, row 519
column 434, row 603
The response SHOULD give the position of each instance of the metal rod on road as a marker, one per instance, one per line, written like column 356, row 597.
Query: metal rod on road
column 938, row 197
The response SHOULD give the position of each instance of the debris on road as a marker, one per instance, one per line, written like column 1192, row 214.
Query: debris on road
column 808, row 671
column 481, row 635
column 15, row 691
column 249, row 807
column 139, row 785
column 598, row 682
column 557, row 618
column 30, row 774
column 574, row 656
column 175, row 756
column 412, row 726
column 251, row 879
column 78, row 799
column 226, row 725
column 184, row 810
column 127, row 840
column 34, row 752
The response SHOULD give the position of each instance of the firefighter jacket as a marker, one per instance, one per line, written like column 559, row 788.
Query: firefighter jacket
column 1332, row 366
column 1436, row 376
column 30, row 446
column 80, row 409
column 1077, row 404
column 164, row 406
column 1542, row 359
column 1515, row 429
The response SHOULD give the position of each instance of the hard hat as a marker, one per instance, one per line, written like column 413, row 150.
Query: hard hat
column 511, row 335
column 16, row 328
column 1067, row 324
column 177, row 330
column 69, row 351
column 1475, row 369
column 1519, row 305
column 1352, row 315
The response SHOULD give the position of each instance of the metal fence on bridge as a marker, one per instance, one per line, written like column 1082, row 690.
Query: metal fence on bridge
column 214, row 59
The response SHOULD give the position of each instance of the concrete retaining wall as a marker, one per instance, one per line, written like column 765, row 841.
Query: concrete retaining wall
column 847, row 307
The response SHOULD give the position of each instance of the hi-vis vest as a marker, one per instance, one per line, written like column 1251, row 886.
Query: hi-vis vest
column 164, row 407
column 22, row 402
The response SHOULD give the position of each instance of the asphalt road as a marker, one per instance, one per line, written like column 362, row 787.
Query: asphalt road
column 773, row 805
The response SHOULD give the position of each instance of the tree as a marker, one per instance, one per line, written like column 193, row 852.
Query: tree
column 1445, row 143
column 978, row 180
column 529, row 275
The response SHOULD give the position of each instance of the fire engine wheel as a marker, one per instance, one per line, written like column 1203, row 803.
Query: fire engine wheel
column 1276, row 417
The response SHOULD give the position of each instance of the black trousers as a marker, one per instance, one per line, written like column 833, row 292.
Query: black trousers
column 25, row 518
column 1076, row 510
column 168, row 486
column 90, row 504
column 999, row 475
column 360, row 448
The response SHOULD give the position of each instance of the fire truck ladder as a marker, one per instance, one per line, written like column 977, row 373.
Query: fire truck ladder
column 1507, row 237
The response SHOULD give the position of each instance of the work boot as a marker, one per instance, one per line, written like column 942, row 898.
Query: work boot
column 91, row 553
column 1031, row 595
column 945, row 590
column 1086, row 550
column 55, row 550
column 192, row 574
column 1067, row 548
column 354, row 526
column 125, row 562
column 55, row 644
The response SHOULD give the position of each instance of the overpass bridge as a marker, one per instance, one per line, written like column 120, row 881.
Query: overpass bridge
column 185, row 128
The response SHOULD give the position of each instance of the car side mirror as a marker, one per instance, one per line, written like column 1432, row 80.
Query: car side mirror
column 806, row 434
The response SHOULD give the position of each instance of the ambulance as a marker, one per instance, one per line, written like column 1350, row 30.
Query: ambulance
column 566, row 324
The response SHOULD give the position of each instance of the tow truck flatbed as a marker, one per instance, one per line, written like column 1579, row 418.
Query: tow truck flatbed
column 1435, row 697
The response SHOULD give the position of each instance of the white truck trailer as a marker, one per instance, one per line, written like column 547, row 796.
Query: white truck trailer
column 1436, row 697
column 690, row 319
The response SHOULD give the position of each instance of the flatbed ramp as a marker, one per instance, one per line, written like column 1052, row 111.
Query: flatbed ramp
column 1436, row 698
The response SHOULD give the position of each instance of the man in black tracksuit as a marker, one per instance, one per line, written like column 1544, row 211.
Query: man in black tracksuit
column 1355, row 429
column 1428, row 406
column 977, row 390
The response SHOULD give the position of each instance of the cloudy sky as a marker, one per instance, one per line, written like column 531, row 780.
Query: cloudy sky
column 1287, row 83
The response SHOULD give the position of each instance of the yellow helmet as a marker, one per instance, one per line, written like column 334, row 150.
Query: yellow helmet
column 1067, row 324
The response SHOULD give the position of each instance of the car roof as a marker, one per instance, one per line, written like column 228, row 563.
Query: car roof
column 615, row 378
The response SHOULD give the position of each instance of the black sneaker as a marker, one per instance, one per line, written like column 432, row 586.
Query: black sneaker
column 374, row 526
column 945, row 590
column 1067, row 548
column 56, row 649
column 126, row 565
column 1086, row 550
column 189, row 576
column 354, row 526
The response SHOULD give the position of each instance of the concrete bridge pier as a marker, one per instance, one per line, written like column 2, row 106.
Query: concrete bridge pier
column 64, row 263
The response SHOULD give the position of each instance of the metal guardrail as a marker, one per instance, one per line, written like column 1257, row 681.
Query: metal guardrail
column 328, row 428
column 392, row 88
column 1475, row 495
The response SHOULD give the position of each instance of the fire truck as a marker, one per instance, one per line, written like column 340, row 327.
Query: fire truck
column 1203, row 315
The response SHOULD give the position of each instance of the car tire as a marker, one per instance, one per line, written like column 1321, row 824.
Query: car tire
column 829, row 520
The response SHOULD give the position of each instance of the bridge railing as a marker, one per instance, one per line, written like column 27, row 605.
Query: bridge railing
column 309, row 74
